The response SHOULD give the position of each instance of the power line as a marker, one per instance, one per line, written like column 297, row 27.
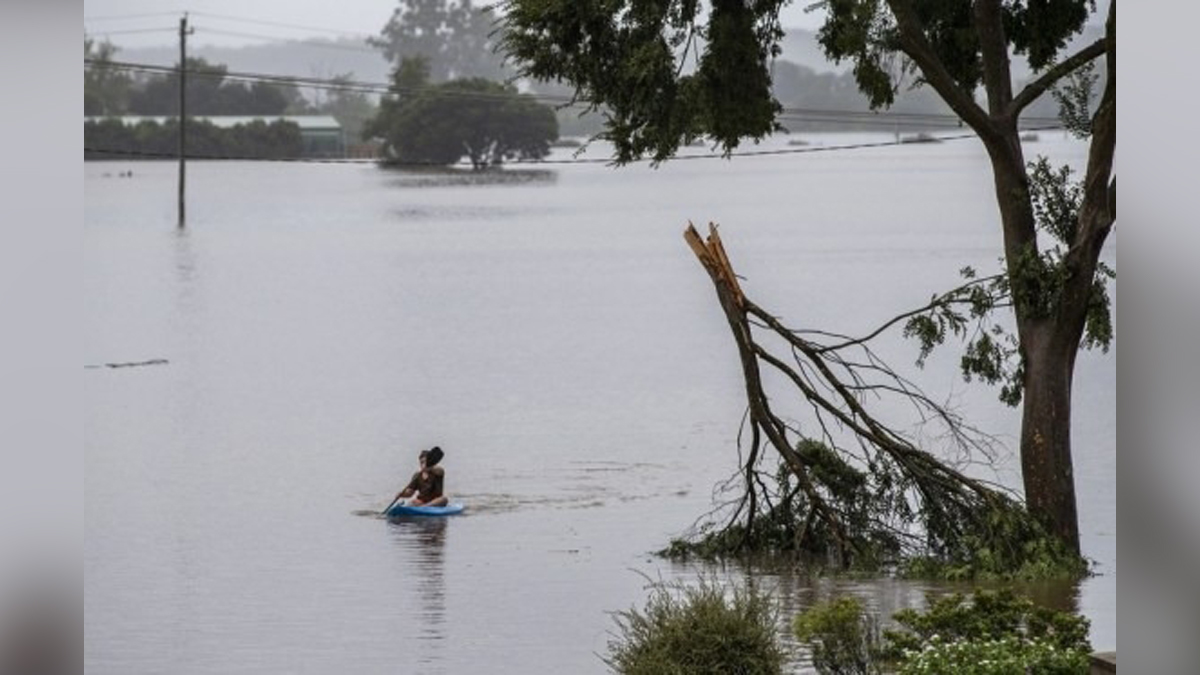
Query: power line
column 128, row 31
column 312, row 82
column 276, row 38
column 236, row 158
column 129, row 17
column 279, row 24
column 890, row 119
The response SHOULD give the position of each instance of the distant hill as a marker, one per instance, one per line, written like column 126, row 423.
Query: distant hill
column 800, row 47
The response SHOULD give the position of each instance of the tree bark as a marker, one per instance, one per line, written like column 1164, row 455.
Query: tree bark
column 1046, row 465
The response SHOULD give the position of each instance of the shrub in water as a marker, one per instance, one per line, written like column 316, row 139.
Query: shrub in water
column 992, row 633
column 698, row 630
column 843, row 639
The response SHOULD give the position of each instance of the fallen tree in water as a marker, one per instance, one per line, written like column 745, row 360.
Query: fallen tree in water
column 849, row 490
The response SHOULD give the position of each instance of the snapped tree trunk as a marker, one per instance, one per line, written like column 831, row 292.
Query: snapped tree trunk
column 851, row 490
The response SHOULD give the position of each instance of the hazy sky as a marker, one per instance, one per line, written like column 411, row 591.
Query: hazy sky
column 102, row 17
column 118, row 19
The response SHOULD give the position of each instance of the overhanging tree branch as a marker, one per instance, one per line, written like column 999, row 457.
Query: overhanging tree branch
column 917, row 48
column 1047, row 79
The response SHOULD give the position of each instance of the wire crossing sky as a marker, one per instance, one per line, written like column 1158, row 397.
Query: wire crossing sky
column 282, row 19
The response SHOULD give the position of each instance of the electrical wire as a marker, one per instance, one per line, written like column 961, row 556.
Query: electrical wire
column 129, row 17
column 889, row 119
column 129, row 31
column 279, row 24
column 276, row 38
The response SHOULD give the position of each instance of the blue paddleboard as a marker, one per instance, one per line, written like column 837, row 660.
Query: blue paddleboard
column 450, row 509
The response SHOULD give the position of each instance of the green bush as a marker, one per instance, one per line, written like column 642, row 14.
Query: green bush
column 992, row 633
column 701, row 629
column 987, row 615
column 1006, row 656
column 843, row 638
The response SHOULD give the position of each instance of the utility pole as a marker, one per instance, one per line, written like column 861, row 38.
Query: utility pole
column 183, row 33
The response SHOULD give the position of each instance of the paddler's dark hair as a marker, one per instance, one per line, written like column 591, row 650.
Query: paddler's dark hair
column 434, row 456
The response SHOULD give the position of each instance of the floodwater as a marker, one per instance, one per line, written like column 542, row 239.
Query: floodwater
column 548, row 328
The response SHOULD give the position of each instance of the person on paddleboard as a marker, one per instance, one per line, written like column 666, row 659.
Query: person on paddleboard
column 426, row 486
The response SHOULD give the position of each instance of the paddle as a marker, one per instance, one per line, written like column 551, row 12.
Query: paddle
column 389, row 506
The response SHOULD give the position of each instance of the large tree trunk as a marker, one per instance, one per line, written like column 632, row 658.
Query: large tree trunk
column 1049, row 345
column 1046, row 435
column 1049, row 340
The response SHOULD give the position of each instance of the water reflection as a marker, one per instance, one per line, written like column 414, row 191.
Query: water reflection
column 185, row 270
column 425, row 540
column 442, row 212
column 451, row 177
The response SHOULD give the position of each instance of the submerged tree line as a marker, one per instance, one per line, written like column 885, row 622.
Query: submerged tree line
column 110, row 138
column 438, row 110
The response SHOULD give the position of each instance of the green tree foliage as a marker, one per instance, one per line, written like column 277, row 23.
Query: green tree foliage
column 988, row 633
column 258, row 139
column 629, row 57
column 210, row 93
column 352, row 109
column 992, row 352
column 105, row 89
column 454, row 36
column 698, row 630
column 486, row 122
column 842, row 637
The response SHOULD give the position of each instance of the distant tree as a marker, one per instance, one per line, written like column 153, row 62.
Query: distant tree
column 210, row 92
column 160, row 95
column 112, row 139
column 352, row 109
column 487, row 122
column 105, row 88
column 574, row 119
column 294, row 102
column 628, row 56
column 454, row 35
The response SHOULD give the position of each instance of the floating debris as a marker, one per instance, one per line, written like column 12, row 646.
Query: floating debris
column 130, row 364
column 921, row 138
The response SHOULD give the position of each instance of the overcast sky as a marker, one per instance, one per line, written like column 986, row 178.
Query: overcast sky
column 115, row 17
column 139, row 23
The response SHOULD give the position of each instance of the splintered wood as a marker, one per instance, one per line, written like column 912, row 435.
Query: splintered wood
column 712, row 255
